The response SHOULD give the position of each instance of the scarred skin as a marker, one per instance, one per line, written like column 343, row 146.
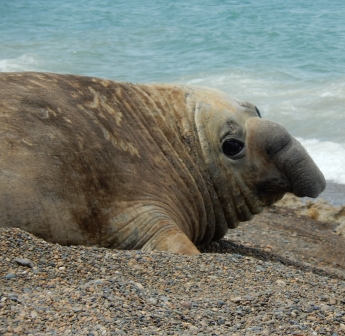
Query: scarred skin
column 87, row 161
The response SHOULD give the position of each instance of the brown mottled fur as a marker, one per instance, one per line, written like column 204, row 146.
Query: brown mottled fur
column 97, row 162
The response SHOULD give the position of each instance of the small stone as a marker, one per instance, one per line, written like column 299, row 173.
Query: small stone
column 265, row 318
column 187, row 304
column 236, row 299
column 13, row 297
column 33, row 314
column 153, row 300
column 139, row 285
column 164, row 298
column 203, row 323
column 248, row 298
column 18, row 330
column 281, row 282
column 325, row 308
column 10, row 275
column 23, row 262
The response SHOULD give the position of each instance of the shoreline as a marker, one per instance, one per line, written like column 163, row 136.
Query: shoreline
column 333, row 194
column 328, row 208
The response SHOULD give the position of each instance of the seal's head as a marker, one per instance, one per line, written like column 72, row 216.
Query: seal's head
column 253, row 162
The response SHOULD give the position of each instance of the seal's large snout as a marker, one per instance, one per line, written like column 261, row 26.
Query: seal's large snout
column 305, row 177
column 289, row 156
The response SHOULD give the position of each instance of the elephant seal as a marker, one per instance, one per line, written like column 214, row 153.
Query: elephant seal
column 132, row 166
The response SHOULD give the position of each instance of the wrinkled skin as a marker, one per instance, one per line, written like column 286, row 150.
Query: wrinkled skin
column 96, row 162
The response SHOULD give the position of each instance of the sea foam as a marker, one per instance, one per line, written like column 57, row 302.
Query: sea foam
column 329, row 157
column 26, row 62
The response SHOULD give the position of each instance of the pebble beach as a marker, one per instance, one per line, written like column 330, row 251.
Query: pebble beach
column 283, row 273
column 48, row 289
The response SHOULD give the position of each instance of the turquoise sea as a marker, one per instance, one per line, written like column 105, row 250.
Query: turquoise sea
column 287, row 57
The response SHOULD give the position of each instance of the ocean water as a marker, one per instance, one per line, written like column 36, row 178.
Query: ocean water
column 286, row 57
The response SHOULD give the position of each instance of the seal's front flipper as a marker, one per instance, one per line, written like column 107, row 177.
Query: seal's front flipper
column 148, row 228
column 173, row 240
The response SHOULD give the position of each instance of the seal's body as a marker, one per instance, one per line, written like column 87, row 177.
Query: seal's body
column 97, row 162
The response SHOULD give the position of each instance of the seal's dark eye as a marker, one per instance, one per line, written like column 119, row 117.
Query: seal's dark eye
column 232, row 147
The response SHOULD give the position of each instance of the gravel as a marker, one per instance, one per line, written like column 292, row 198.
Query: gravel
column 48, row 289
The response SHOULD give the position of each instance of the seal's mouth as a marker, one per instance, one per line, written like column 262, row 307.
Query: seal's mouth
column 270, row 192
column 270, row 199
